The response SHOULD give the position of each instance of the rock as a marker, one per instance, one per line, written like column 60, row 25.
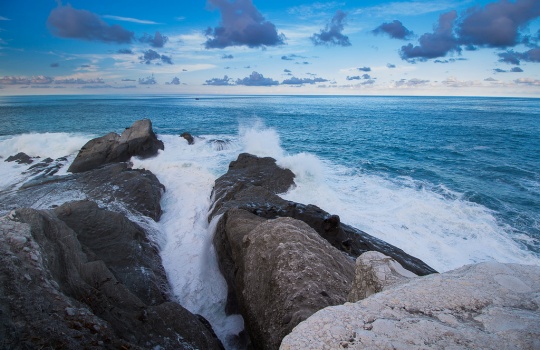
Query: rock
column 375, row 272
column 138, row 140
column 115, row 186
column 247, row 171
column 121, row 245
column 64, row 289
column 483, row 306
column 282, row 272
column 253, row 183
column 189, row 138
column 20, row 158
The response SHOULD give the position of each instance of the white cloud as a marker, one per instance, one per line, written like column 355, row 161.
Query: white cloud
column 129, row 19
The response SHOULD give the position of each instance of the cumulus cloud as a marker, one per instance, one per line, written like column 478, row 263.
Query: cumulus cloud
column 55, row 65
column 364, row 69
column 227, row 57
column 147, row 81
column 332, row 34
column 512, row 57
column 499, row 70
column 356, row 77
column 125, row 51
column 302, row 81
column 450, row 60
column 241, row 25
column 67, row 22
column 395, row 29
column 516, row 70
column 436, row 44
column 256, row 79
column 150, row 55
column 497, row 24
column 287, row 71
column 490, row 79
column 219, row 82
column 174, row 81
column 158, row 40
column 390, row 65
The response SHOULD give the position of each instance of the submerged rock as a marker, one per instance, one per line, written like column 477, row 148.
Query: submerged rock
column 62, row 288
column 188, row 137
column 137, row 140
column 283, row 272
column 20, row 158
column 483, row 306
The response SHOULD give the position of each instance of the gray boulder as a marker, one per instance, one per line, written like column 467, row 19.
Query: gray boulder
column 375, row 272
column 282, row 272
column 65, row 289
column 483, row 306
column 137, row 140
column 20, row 158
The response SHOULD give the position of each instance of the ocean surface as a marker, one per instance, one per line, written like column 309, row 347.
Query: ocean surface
column 450, row 180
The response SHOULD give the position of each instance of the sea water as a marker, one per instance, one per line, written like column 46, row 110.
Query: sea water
column 450, row 180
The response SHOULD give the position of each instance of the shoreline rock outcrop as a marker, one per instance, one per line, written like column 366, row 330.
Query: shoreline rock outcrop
column 137, row 140
column 277, row 275
column 101, row 286
column 482, row 306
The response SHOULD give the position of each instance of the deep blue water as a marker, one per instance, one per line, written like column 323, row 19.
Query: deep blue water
column 482, row 150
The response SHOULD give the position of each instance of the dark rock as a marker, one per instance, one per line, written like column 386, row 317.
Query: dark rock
column 121, row 245
column 281, row 271
column 58, row 291
column 20, row 158
column 220, row 145
column 138, row 140
column 247, row 171
column 188, row 137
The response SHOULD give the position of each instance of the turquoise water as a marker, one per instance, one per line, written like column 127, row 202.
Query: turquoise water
column 476, row 152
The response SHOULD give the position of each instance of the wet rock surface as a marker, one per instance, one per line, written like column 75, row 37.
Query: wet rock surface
column 62, row 289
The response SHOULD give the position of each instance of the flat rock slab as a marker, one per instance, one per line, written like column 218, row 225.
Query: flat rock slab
column 483, row 306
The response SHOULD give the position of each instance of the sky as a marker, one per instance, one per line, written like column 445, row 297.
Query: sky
column 414, row 47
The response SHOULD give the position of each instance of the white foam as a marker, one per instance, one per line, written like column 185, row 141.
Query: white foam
column 188, row 173
column 443, row 230
column 53, row 145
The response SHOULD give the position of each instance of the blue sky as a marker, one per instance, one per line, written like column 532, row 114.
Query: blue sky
column 448, row 47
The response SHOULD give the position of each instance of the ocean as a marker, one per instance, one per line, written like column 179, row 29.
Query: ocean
column 450, row 180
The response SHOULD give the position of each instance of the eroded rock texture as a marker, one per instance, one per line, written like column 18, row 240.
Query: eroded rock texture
column 483, row 306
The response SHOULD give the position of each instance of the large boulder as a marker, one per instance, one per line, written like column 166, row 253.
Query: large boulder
column 282, row 272
column 137, row 140
column 65, row 289
column 375, row 272
column 253, row 183
column 483, row 306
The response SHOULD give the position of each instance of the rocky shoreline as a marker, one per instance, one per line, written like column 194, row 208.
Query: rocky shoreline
column 88, row 274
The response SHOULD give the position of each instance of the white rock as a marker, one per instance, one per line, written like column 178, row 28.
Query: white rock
column 482, row 306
